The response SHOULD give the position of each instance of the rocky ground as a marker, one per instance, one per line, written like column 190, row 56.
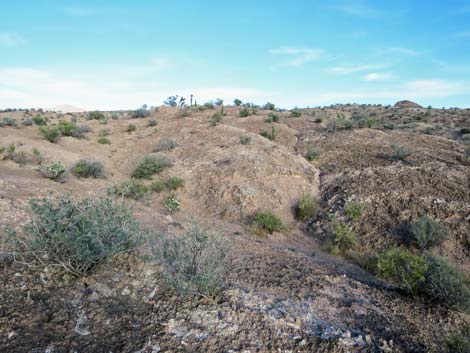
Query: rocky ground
column 284, row 293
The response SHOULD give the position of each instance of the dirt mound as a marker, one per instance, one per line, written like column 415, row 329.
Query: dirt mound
column 406, row 104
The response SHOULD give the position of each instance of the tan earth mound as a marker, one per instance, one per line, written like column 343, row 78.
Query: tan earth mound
column 406, row 104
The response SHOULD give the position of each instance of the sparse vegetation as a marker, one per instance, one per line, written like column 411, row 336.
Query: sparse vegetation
column 295, row 113
column 273, row 118
column 150, row 165
column 341, row 239
column 268, row 222
column 50, row 133
column 142, row 112
column 353, row 210
column 244, row 112
column 306, row 207
column 173, row 183
column 78, row 235
column 270, row 135
column 96, row 115
column 157, row 186
column 132, row 189
column 399, row 153
column 245, row 139
column 269, row 106
column 216, row 118
column 195, row 262
column 152, row 122
column 85, row 168
column 104, row 132
column 312, row 154
column 131, row 128
column 104, row 140
column 39, row 120
column 165, row 144
column 426, row 233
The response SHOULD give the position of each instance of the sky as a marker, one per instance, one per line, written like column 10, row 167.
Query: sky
column 123, row 54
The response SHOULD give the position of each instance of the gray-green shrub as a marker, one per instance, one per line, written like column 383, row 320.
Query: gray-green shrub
column 165, row 144
column 306, row 207
column 426, row 233
column 150, row 165
column 268, row 222
column 88, row 169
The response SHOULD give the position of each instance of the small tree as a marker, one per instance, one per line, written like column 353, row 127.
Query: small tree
column 237, row 102
column 171, row 101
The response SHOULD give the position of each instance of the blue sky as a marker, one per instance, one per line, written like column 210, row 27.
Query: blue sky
column 122, row 54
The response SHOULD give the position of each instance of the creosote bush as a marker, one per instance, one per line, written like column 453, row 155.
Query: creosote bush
column 88, row 169
column 341, row 239
column 150, row 165
column 195, row 262
column 426, row 233
column 306, row 207
column 78, row 235
column 268, row 222
column 50, row 133
column 132, row 189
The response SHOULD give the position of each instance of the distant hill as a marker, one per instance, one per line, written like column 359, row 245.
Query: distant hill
column 406, row 104
column 67, row 108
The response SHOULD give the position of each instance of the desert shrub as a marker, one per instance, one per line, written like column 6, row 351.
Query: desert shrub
column 96, row 115
column 131, row 128
column 312, row 154
column 10, row 152
column 152, row 122
column 244, row 112
column 459, row 340
column 114, row 116
column 218, row 102
column 273, row 118
column 103, row 120
column 399, row 152
column 403, row 268
column 173, row 183
column 37, row 155
column 269, row 106
column 446, row 284
column 20, row 157
column 104, row 140
column 306, row 207
column 50, row 133
column 171, row 101
column 82, row 130
column 67, row 128
column 55, row 171
column 157, row 186
column 425, row 233
column 150, row 165
column 245, row 139
column 9, row 122
column 237, row 102
column 270, row 135
column 79, row 235
column 389, row 126
column 165, row 144
column 27, row 122
column 353, row 210
column 295, row 113
column 195, row 262
column 104, row 132
column 172, row 204
column 318, row 120
column 88, row 169
column 39, row 120
column 268, row 221
column 208, row 105
column 142, row 112
column 132, row 189
column 216, row 118
column 341, row 239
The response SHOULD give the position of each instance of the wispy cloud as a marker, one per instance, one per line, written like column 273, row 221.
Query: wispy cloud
column 8, row 39
column 345, row 70
column 356, row 8
column 404, row 51
column 374, row 76
column 297, row 56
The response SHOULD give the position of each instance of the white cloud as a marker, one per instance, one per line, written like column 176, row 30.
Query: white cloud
column 344, row 70
column 404, row 51
column 298, row 56
column 374, row 76
column 11, row 39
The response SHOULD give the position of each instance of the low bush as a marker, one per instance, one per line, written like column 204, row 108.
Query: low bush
column 353, row 210
column 295, row 113
column 132, row 189
column 103, row 140
column 96, row 115
column 39, row 120
column 173, row 183
column 399, row 153
column 216, row 118
column 459, row 340
column 55, row 171
column 67, row 128
column 195, row 262
column 273, row 118
column 131, row 128
column 27, row 122
column 50, row 133
column 341, row 239
column 165, row 144
column 157, row 186
column 88, row 169
column 244, row 112
column 150, row 165
column 245, row 139
column 104, row 132
column 152, row 122
column 425, row 233
column 269, row 106
column 78, row 235
column 172, row 204
column 142, row 112
column 312, row 154
column 306, row 207
column 268, row 222
column 270, row 135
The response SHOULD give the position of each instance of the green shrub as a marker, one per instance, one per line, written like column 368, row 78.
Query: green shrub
column 216, row 118
column 152, row 122
column 50, row 133
column 459, row 340
column 132, row 189
column 37, row 155
column 400, row 153
column 341, row 239
column 295, row 113
column 270, row 135
column 150, row 165
column 39, row 120
column 67, row 128
column 142, row 112
column 172, row 204
column 446, row 284
column 79, row 235
column 389, row 126
column 312, row 154
column 244, row 112
column 403, row 268
column 95, row 116
column 426, row 233
column 157, row 186
column 173, row 183
column 131, row 128
column 307, row 207
column 88, row 169
column 195, row 262
column 353, row 210
column 165, row 144
column 273, row 118
column 27, row 122
column 237, row 102
column 183, row 112
column 104, row 140
column 104, row 132
column 208, row 105
column 9, row 122
column 268, row 221
column 245, row 139
column 55, row 171
column 269, row 106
